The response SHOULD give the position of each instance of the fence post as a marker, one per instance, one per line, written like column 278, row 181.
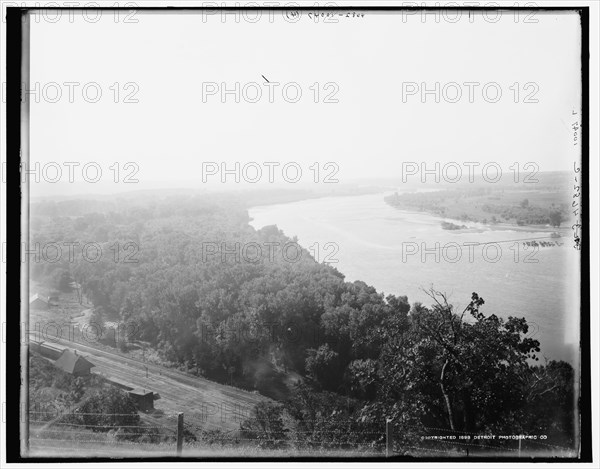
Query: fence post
column 179, row 432
column 519, row 447
column 389, row 438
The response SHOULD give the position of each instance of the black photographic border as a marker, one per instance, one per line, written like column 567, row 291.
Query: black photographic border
column 14, row 188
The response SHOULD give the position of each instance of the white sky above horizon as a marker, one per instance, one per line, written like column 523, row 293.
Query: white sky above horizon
column 369, row 133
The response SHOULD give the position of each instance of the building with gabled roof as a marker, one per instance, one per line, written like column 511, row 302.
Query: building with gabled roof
column 144, row 400
column 73, row 363
column 38, row 301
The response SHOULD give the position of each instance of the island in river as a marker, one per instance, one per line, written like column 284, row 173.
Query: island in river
column 543, row 207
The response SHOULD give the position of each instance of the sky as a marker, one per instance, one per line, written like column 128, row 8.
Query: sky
column 173, row 67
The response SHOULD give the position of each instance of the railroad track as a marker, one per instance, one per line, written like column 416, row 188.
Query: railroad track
column 205, row 404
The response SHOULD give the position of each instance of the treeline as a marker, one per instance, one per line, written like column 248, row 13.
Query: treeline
column 488, row 206
column 434, row 371
column 201, row 295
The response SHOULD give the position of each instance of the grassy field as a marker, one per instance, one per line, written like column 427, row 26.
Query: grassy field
column 161, row 451
column 49, row 448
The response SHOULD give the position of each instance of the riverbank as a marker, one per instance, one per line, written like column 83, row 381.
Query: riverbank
column 495, row 209
column 479, row 227
column 403, row 251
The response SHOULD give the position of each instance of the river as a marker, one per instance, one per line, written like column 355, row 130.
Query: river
column 401, row 253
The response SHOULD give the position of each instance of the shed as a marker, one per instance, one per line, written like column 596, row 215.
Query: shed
column 73, row 363
column 144, row 400
column 118, row 383
column 52, row 351
column 35, row 345
column 38, row 301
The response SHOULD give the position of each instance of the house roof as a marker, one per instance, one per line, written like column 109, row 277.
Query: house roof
column 37, row 296
column 140, row 392
column 72, row 363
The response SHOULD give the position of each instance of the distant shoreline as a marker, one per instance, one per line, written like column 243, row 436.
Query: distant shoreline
column 500, row 226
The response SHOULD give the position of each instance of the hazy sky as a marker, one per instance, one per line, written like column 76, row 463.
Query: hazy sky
column 369, row 132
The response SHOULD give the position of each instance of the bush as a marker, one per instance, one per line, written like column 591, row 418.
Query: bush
column 106, row 410
column 266, row 426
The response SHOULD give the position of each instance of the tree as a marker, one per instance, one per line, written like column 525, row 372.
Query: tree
column 97, row 318
column 550, row 405
column 61, row 279
column 556, row 218
column 524, row 203
column 445, row 371
column 322, row 365
column 323, row 417
column 108, row 409
column 266, row 425
column 362, row 377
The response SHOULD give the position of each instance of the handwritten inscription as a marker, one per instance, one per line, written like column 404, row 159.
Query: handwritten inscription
column 576, row 203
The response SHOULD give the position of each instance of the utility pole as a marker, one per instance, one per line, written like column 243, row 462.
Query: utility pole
column 179, row 433
column 389, row 438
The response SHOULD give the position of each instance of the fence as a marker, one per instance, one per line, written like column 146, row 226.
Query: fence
column 170, row 434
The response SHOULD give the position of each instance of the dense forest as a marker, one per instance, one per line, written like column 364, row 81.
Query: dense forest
column 212, row 295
